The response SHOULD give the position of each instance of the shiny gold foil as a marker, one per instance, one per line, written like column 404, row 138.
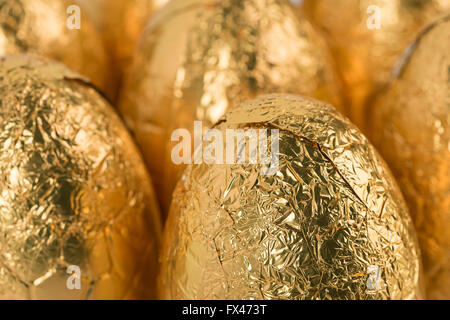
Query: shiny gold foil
column 364, row 54
column 198, row 57
column 40, row 27
column 314, row 230
column 411, row 128
column 73, row 191
column 123, row 22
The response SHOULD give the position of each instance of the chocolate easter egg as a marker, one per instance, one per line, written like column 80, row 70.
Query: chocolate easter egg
column 58, row 29
column 199, row 57
column 367, row 37
column 411, row 128
column 123, row 22
column 323, row 219
column 78, row 217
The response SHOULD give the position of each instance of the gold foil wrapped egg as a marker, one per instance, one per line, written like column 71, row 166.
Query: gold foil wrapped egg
column 198, row 57
column 411, row 129
column 123, row 22
column 367, row 37
column 329, row 222
column 78, row 217
column 57, row 29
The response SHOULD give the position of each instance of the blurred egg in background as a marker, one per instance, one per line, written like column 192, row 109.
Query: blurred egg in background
column 410, row 126
column 197, row 58
column 60, row 30
column 367, row 38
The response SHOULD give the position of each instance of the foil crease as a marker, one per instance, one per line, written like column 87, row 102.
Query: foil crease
column 366, row 53
column 313, row 230
column 197, row 58
column 413, row 114
column 40, row 27
column 73, row 190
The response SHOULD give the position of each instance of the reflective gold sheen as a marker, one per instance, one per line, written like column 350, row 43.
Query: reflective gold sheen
column 411, row 128
column 314, row 230
column 198, row 57
column 40, row 27
column 366, row 55
column 73, row 191
column 123, row 22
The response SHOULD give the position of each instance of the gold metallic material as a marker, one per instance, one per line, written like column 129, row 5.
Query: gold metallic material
column 123, row 22
column 73, row 190
column 198, row 57
column 40, row 27
column 94, row 9
column 411, row 129
column 316, row 229
column 364, row 54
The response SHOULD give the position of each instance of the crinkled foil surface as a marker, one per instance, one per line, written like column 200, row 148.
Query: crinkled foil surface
column 40, row 27
column 199, row 57
column 73, row 190
column 365, row 55
column 413, row 115
column 314, row 230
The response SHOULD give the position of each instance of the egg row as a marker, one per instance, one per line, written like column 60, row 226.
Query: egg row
column 329, row 222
